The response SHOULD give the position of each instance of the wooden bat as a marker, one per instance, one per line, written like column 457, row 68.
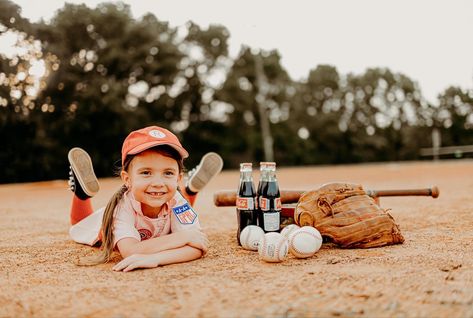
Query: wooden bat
column 228, row 197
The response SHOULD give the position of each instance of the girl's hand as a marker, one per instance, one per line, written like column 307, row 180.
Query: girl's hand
column 137, row 261
column 199, row 240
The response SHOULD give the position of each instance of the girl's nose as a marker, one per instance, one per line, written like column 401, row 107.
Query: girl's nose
column 157, row 181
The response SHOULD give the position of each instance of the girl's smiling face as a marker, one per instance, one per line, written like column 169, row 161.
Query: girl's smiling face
column 153, row 179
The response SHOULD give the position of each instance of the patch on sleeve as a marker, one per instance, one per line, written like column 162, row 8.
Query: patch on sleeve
column 185, row 214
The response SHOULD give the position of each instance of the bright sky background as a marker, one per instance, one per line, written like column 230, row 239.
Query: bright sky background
column 431, row 41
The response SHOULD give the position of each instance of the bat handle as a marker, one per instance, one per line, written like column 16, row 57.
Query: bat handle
column 431, row 192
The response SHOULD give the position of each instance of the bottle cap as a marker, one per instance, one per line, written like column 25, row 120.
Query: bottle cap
column 246, row 165
column 267, row 164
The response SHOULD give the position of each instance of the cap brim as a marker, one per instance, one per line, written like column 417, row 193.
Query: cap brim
column 152, row 144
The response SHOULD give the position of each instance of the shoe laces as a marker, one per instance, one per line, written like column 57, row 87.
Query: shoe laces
column 191, row 172
column 72, row 181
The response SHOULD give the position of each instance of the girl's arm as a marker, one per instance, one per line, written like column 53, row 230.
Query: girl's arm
column 194, row 238
column 178, row 255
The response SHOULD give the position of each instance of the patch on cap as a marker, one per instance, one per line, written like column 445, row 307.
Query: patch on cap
column 157, row 134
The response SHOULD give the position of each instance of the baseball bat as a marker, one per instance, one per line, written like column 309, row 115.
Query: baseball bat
column 228, row 197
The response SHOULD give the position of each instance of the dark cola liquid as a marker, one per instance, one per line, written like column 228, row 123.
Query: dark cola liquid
column 268, row 196
column 246, row 208
column 259, row 214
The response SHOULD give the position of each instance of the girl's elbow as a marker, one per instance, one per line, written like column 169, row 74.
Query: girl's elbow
column 194, row 253
column 128, row 247
column 127, row 251
column 199, row 253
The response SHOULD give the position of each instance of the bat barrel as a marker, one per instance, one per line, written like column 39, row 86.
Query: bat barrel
column 435, row 192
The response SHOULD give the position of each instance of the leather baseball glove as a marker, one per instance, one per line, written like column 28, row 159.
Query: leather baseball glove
column 345, row 214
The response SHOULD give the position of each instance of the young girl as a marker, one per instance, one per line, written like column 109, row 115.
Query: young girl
column 148, row 219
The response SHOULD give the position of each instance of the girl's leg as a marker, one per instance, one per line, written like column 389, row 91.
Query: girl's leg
column 83, row 183
column 210, row 165
column 80, row 209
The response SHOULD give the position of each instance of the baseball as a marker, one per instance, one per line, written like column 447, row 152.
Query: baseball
column 250, row 237
column 304, row 242
column 289, row 229
column 273, row 247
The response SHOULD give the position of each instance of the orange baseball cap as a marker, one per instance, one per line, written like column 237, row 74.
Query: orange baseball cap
column 148, row 137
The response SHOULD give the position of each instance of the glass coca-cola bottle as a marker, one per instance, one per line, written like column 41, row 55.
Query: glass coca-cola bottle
column 262, row 167
column 246, row 199
column 269, row 201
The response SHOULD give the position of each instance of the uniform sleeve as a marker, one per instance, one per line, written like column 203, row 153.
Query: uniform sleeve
column 124, row 226
column 183, row 216
column 177, row 225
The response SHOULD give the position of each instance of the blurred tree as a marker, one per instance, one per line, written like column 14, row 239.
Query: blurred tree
column 374, row 116
column 89, row 76
column 454, row 116
column 104, row 75
column 10, row 17
column 241, row 90
column 113, row 77
column 203, row 69
column 315, row 120
column 377, row 107
column 22, row 73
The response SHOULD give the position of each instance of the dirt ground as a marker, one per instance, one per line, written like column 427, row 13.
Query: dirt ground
column 430, row 275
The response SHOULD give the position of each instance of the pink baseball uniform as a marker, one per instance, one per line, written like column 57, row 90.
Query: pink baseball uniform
column 176, row 215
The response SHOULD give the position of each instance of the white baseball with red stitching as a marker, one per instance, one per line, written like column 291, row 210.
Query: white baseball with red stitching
column 289, row 229
column 273, row 247
column 305, row 242
column 250, row 237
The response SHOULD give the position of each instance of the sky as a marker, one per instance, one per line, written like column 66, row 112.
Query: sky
column 429, row 41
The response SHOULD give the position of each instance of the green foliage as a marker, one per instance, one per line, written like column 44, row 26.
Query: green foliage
column 103, row 73
column 242, row 90
column 455, row 116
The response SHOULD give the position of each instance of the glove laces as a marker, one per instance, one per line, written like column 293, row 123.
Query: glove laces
column 325, row 206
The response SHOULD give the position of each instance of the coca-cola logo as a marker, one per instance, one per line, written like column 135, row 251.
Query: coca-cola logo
column 278, row 204
column 265, row 204
column 245, row 203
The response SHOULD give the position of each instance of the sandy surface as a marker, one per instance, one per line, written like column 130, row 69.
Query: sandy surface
column 430, row 275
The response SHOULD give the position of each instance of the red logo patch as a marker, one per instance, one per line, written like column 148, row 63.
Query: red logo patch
column 145, row 234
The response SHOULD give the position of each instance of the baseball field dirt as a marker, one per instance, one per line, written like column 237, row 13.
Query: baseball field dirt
column 430, row 275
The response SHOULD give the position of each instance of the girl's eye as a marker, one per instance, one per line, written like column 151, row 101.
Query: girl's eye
column 146, row 173
column 169, row 173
